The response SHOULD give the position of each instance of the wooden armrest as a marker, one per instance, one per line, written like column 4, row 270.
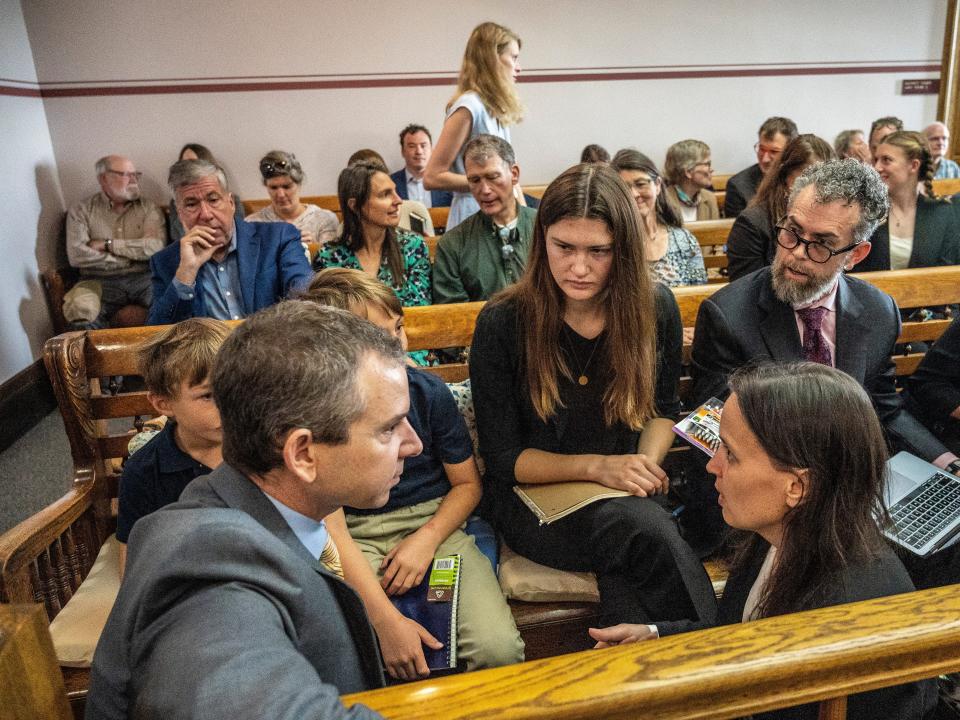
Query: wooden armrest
column 723, row 672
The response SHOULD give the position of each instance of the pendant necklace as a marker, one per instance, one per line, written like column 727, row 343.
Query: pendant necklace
column 582, row 378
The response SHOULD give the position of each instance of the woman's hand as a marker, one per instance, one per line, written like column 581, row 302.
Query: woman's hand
column 620, row 634
column 636, row 474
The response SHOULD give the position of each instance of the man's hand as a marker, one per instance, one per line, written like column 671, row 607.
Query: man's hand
column 401, row 642
column 405, row 565
column 620, row 634
column 636, row 474
column 98, row 245
column 196, row 247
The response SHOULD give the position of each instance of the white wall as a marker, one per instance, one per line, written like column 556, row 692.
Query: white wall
column 30, row 213
column 111, row 42
column 97, row 46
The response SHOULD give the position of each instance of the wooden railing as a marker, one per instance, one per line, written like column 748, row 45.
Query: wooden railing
column 725, row 672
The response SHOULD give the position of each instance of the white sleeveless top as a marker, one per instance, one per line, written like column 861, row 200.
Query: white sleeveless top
column 463, row 204
column 900, row 250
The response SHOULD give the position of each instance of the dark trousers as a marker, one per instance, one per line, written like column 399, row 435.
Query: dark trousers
column 645, row 571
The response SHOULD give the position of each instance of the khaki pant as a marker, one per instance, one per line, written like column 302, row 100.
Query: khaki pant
column 487, row 634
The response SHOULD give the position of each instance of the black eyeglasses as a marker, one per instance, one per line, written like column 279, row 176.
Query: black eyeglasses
column 272, row 168
column 788, row 239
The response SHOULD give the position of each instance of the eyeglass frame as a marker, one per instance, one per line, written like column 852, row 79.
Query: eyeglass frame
column 216, row 204
column 136, row 175
column 767, row 149
column 780, row 228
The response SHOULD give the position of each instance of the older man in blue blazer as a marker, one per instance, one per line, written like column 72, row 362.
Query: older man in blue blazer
column 416, row 144
column 222, row 268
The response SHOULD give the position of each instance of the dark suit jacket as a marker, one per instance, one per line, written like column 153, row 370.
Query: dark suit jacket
column 936, row 238
column 438, row 198
column 745, row 321
column 271, row 263
column 881, row 577
column 740, row 190
column 223, row 614
column 750, row 245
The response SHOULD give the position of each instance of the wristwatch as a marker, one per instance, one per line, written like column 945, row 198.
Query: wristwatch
column 108, row 245
column 954, row 467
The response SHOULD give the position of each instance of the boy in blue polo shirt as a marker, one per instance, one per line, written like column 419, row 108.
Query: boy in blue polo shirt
column 176, row 365
column 425, row 515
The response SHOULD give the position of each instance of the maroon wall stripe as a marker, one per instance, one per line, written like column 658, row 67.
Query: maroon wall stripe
column 676, row 73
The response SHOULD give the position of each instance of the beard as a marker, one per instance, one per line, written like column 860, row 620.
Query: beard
column 131, row 192
column 793, row 292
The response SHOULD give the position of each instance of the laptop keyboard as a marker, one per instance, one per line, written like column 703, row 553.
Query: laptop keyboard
column 927, row 510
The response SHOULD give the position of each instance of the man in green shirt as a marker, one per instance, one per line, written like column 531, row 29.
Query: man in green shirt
column 488, row 250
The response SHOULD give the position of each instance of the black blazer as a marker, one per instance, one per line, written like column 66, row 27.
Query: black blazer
column 740, row 190
column 936, row 238
column 750, row 245
column 882, row 577
column 745, row 321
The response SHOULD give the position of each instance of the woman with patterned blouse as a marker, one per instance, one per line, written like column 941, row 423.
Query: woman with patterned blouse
column 673, row 254
column 371, row 240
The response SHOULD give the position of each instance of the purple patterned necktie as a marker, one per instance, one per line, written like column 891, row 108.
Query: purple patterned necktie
column 814, row 344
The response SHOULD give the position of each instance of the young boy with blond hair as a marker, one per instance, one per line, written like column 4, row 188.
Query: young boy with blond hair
column 176, row 366
column 428, row 508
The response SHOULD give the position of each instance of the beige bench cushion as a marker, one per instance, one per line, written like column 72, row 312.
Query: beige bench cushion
column 77, row 627
column 523, row 579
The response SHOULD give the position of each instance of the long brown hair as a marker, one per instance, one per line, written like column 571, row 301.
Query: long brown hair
column 801, row 415
column 773, row 193
column 594, row 192
column 354, row 184
column 482, row 73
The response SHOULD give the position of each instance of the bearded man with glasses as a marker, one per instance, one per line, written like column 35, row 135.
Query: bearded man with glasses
column 222, row 267
column 805, row 307
column 110, row 238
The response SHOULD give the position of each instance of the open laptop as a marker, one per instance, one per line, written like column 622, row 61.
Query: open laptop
column 924, row 502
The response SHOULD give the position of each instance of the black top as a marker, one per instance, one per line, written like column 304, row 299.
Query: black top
column 506, row 420
column 153, row 477
column 935, row 385
column 880, row 577
column 740, row 190
column 751, row 244
column 936, row 238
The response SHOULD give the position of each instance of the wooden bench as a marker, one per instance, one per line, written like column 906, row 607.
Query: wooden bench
column 45, row 558
column 712, row 236
column 726, row 672
column 30, row 684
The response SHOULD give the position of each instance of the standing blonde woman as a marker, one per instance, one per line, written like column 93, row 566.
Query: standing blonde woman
column 486, row 102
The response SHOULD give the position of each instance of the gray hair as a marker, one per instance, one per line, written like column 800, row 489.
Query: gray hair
column 683, row 156
column 102, row 165
column 483, row 147
column 847, row 181
column 188, row 172
column 293, row 365
column 842, row 142
column 278, row 163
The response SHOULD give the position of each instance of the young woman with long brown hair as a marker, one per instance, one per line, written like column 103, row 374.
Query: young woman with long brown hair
column 570, row 368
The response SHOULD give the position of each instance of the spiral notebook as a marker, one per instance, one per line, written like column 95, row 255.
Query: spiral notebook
column 433, row 603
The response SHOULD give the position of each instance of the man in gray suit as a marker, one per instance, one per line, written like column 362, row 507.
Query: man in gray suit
column 225, row 611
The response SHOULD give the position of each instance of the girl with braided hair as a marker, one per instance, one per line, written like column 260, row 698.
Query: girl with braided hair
column 921, row 230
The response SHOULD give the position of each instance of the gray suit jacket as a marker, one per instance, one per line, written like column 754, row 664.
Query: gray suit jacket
column 745, row 321
column 223, row 615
